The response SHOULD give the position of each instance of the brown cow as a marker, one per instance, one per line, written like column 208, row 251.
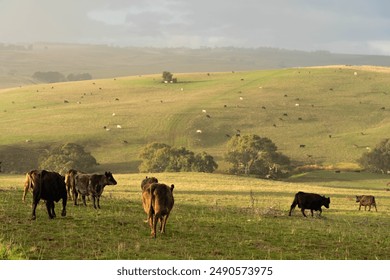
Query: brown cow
column 70, row 182
column 31, row 179
column 49, row 186
column 366, row 200
column 158, row 201
column 148, row 181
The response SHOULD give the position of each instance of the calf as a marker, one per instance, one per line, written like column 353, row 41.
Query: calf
column 158, row 201
column 49, row 186
column 310, row 201
column 366, row 200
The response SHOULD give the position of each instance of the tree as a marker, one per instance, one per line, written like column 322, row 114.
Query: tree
column 68, row 156
column 159, row 157
column 204, row 163
column 49, row 77
column 252, row 154
column 168, row 77
column 377, row 160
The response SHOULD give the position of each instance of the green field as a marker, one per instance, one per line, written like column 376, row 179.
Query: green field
column 215, row 217
column 340, row 115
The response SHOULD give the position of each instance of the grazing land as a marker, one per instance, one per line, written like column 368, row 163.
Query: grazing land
column 316, row 116
column 215, row 217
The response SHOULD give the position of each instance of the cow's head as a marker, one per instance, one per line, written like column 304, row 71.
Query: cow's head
column 110, row 179
column 358, row 198
column 326, row 201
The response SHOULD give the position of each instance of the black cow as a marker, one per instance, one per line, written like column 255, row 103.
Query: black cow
column 49, row 186
column 310, row 201
column 366, row 200
column 94, row 184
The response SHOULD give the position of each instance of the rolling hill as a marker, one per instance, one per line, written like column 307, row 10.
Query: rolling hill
column 325, row 116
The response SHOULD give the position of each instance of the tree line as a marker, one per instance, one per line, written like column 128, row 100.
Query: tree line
column 247, row 155
column 57, row 77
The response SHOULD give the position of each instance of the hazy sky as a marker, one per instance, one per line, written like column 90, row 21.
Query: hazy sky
column 344, row 26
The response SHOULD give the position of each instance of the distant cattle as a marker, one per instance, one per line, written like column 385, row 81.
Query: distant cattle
column 31, row 180
column 87, row 184
column 148, row 181
column 49, row 186
column 157, row 201
column 366, row 200
column 310, row 201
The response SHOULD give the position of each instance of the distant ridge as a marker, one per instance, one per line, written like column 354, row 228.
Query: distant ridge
column 19, row 63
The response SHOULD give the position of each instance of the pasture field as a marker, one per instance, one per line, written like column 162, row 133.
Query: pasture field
column 215, row 217
column 316, row 116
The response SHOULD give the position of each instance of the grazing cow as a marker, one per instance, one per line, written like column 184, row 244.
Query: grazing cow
column 148, row 181
column 49, row 186
column 310, row 201
column 31, row 179
column 86, row 184
column 157, row 201
column 366, row 200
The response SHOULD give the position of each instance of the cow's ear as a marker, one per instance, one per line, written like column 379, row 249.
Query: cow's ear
column 172, row 187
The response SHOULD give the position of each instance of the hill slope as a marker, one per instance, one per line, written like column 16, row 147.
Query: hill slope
column 337, row 113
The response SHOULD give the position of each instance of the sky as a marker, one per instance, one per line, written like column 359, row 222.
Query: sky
column 338, row 26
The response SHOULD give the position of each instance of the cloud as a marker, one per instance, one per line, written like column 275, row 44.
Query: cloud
column 358, row 26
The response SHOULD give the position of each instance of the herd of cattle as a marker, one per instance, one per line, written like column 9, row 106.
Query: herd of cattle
column 157, row 198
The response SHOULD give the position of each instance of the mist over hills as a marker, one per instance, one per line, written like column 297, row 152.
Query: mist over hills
column 20, row 62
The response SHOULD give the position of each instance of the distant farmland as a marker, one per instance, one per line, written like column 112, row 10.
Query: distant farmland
column 316, row 116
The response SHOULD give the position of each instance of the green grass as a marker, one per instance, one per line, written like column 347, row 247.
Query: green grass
column 332, row 101
column 215, row 217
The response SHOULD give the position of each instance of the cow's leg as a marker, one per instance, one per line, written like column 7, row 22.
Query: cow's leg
column 312, row 212
column 369, row 207
column 303, row 212
column 36, row 198
column 164, row 223
column 83, row 197
column 75, row 197
column 50, row 209
column 34, row 207
column 154, row 226
column 320, row 212
column 376, row 210
column 98, row 202
column 360, row 206
column 94, row 201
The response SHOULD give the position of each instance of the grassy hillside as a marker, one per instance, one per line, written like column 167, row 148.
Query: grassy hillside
column 337, row 113
column 19, row 63
column 215, row 217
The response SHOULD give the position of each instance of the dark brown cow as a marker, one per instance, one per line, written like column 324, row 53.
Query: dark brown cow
column 366, row 200
column 148, row 181
column 31, row 178
column 158, row 201
column 93, row 185
column 310, row 201
column 49, row 186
